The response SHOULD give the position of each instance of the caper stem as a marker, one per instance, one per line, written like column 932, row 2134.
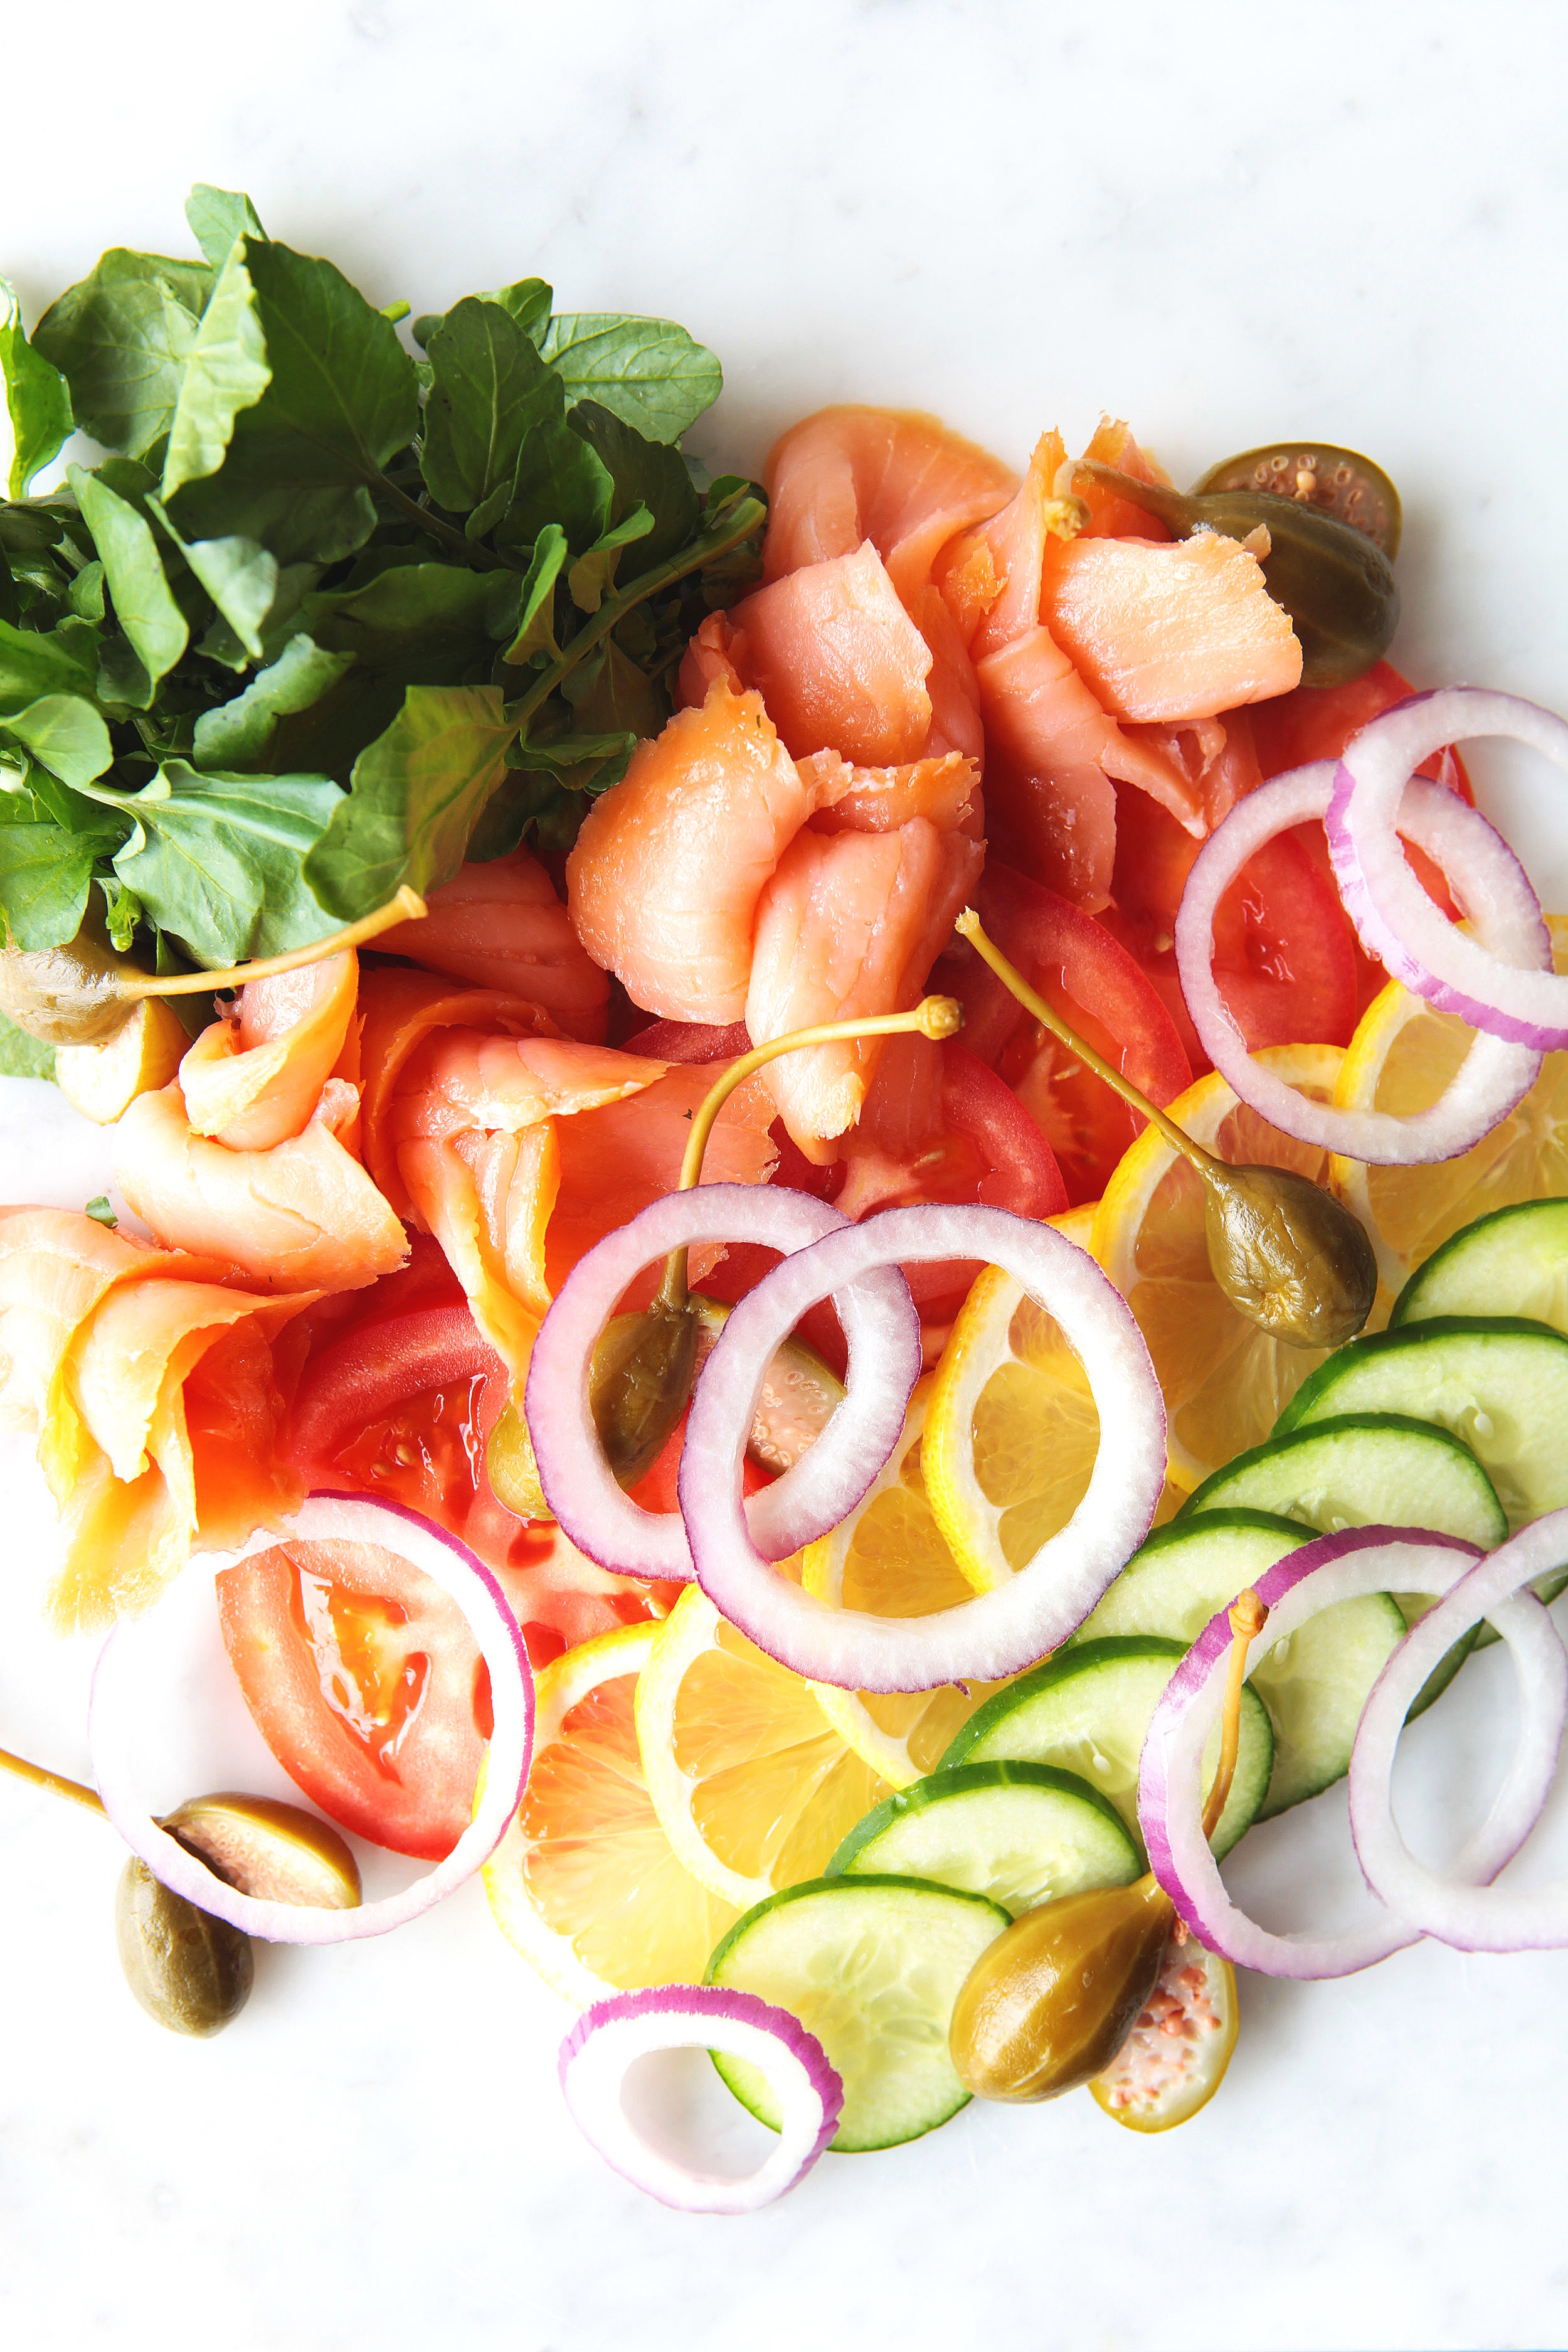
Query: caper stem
column 55, row 1781
column 406, row 907
column 1213, row 1171
column 1174, row 507
column 934, row 1016
column 1248, row 1617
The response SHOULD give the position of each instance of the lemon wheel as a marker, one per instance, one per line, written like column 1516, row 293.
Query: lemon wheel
column 1402, row 1056
column 584, row 1884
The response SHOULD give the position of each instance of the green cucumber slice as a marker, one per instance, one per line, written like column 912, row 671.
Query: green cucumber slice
column 1314, row 1683
column 1502, row 1386
column 1367, row 1470
column 1513, row 1262
column 1361, row 1470
column 1087, row 1711
column 1022, row 1833
column 871, row 1966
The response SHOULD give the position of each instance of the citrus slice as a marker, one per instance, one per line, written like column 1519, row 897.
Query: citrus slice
column 1401, row 1058
column 1225, row 1381
column 753, row 1785
column 584, row 1883
column 1012, row 1429
column 890, row 1556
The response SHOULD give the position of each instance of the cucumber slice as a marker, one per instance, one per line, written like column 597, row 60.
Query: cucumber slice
column 1022, row 1833
column 1513, row 1262
column 1368, row 1470
column 1358, row 1471
column 1501, row 1386
column 1314, row 1684
column 1087, row 1711
column 871, row 1966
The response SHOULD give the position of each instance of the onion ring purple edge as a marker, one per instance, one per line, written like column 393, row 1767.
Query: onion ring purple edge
column 600, row 1518
column 348, row 1519
column 1472, row 1918
column 1406, row 1558
column 1386, row 902
column 1494, row 1076
column 996, row 1632
column 599, row 2049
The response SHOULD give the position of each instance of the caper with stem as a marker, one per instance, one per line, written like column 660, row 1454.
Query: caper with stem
column 81, row 993
column 1336, row 581
column 642, row 1370
column 1287, row 1254
column 191, row 1971
column 1046, row 2007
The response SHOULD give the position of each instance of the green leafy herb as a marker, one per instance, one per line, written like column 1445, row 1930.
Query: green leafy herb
column 331, row 618
column 100, row 1211
column 22, row 1057
column 37, row 398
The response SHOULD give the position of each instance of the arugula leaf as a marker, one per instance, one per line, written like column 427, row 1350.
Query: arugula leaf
column 144, row 604
column 225, row 372
column 64, row 734
column 490, row 387
column 33, row 663
column 238, row 733
column 595, row 574
column 583, row 764
column 218, row 860
column 610, row 694
column 217, row 217
column 648, row 370
column 46, row 873
column 645, row 472
column 527, row 301
column 239, row 575
column 416, row 793
column 122, row 911
column 22, row 1057
column 37, row 397
column 85, row 595
column 431, row 621
column 536, row 612
column 120, row 340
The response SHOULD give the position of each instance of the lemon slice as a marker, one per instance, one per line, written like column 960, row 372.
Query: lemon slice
column 890, row 1556
column 1225, row 1381
column 754, row 1786
column 1401, row 1058
column 1012, row 1429
column 584, row 1883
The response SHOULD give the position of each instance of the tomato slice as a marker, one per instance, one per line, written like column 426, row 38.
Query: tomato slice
column 367, row 1685
column 1096, row 985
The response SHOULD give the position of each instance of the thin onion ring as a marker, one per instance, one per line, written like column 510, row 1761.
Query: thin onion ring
column 1473, row 1919
column 1505, row 991
column 613, row 2034
column 997, row 1633
column 1335, row 1567
column 1494, row 1074
column 348, row 1518
column 881, row 1328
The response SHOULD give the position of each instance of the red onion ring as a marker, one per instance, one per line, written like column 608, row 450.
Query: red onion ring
column 116, row 1705
column 881, row 1328
column 613, row 2034
column 997, row 1633
column 1495, row 892
column 1502, row 984
column 1474, row 1918
column 1335, row 1567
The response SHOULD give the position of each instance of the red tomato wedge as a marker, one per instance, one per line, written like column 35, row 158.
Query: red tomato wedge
column 1095, row 983
column 367, row 1685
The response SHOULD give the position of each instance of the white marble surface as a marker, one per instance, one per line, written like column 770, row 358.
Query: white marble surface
column 1226, row 223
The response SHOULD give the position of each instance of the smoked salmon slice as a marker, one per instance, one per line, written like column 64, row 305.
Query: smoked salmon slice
column 255, row 1075
column 851, row 924
column 303, row 1216
column 838, row 661
column 54, row 1265
column 663, row 881
column 500, row 925
column 877, row 800
column 1175, row 632
column 892, row 476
